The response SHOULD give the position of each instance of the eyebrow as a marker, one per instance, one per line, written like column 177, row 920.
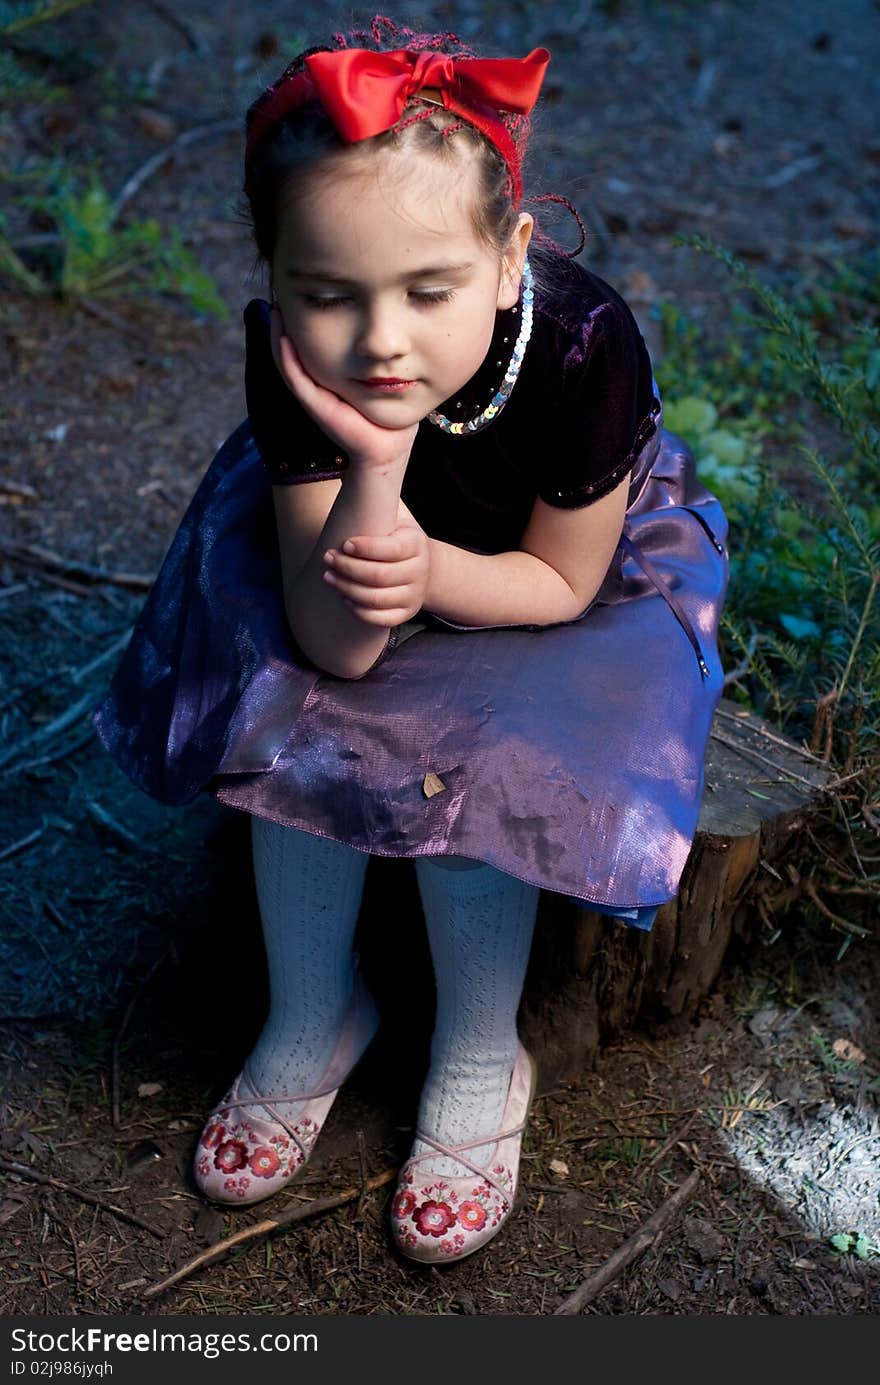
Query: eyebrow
column 425, row 272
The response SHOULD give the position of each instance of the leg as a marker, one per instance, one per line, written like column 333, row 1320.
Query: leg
column 480, row 923
column 309, row 890
column 451, row 1200
column 320, row 1019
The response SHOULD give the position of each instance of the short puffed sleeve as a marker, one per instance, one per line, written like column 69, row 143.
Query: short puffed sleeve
column 606, row 408
column 292, row 447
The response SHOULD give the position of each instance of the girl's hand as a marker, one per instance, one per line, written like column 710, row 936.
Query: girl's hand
column 383, row 578
column 366, row 444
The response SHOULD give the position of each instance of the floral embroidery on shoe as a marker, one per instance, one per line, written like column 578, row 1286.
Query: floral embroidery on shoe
column 264, row 1162
column 404, row 1203
column 239, row 1186
column 472, row 1216
column 434, row 1218
column 231, row 1155
column 213, row 1134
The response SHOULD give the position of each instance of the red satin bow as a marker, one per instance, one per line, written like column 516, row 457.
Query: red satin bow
column 364, row 92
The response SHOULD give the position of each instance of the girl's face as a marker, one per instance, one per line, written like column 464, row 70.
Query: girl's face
column 380, row 275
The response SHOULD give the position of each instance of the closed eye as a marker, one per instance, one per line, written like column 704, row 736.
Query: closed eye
column 422, row 298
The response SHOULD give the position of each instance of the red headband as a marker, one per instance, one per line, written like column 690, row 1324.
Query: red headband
column 364, row 92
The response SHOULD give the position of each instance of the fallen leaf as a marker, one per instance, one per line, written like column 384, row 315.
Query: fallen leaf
column 431, row 784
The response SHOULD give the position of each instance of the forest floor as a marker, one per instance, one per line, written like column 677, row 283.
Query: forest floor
column 750, row 122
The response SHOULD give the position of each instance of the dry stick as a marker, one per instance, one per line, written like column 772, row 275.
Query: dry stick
column 770, row 736
column 21, row 844
column 134, row 184
column 635, row 1245
column 177, row 22
column 764, row 760
column 43, row 557
column 11, row 1166
column 52, row 728
column 76, row 675
column 264, row 1228
column 52, row 757
column 129, row 329
column 673, row 1140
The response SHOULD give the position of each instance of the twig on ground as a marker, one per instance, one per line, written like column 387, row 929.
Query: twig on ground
column 52, row 728
column 22, row 1170
column 259, row 1230
column 362, row 1161
column 134, row 184
column 21, row 844
column 179, row 23
column 62, row 753
column 78, row 674
column 128, row 329
column 35, row 556
column 672, row 1141
column 634, row 1246
column 116, row 829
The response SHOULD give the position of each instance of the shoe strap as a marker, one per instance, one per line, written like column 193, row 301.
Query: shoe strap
column 455, row 1152
column 360, row 1020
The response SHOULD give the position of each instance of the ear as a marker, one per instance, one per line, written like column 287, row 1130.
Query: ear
column 513, row 260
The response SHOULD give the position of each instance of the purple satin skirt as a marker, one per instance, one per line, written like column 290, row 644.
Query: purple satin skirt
column 570, row 756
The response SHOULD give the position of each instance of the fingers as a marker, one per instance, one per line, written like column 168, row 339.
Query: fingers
column 387, row 616
column 375, row 592
column 286, row 357
column 403, row 544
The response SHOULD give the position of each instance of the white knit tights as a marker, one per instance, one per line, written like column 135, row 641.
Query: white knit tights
column 480, row 923
column 309, row 890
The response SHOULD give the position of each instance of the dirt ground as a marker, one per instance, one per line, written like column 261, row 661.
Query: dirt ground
column 751, row 122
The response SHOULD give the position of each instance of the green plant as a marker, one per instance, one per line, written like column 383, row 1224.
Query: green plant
column 23, row 14
column 90, row 257
column 781, row 413
column 87, row 253
column 854, row 1243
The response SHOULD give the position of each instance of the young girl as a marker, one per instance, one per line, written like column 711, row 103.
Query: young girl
column 451, row 592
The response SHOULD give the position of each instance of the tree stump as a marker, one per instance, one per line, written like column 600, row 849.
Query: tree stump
column 591, row 977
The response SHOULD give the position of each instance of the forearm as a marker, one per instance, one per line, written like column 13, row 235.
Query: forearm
column 327, row 630
column 512, row 588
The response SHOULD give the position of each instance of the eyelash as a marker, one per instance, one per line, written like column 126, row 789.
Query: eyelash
column 424, row 299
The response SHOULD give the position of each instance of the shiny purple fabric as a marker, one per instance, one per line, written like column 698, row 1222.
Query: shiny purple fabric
column 571, row 756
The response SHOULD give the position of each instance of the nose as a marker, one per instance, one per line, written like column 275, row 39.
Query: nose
column 382, row 336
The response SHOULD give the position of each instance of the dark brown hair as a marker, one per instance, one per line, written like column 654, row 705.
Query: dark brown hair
column 280, row 166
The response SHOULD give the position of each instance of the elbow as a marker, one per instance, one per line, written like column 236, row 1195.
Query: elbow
column 335, row 658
